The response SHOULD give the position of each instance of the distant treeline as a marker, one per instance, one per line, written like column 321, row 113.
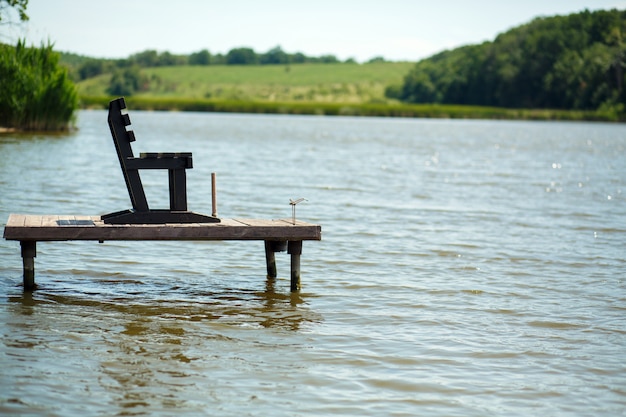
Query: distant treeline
column 574, row 62
column 562, row 62
column 84, row 67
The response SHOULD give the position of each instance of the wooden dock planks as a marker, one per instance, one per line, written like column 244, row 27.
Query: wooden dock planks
column 63, row 227
column 278, row 235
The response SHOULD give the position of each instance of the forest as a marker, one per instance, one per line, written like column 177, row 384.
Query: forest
column 85, row 67
column 562, row 62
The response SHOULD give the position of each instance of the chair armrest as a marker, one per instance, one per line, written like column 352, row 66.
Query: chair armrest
column 163, row 160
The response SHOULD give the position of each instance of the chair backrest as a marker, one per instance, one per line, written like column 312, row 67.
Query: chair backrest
column 122, row 139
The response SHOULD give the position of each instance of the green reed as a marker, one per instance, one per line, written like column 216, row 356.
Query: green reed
column 339, row 109
column 35, row 92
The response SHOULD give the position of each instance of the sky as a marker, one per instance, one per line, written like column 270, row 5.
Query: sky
column 398, row 30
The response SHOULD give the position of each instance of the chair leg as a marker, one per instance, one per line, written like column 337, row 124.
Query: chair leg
column 178, row 190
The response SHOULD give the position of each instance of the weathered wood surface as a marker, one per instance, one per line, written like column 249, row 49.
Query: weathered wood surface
column 43, row 228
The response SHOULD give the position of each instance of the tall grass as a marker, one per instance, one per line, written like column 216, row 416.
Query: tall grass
column 346, row 109
column 35, row 92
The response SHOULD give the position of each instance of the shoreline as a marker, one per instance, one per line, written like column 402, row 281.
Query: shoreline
column 351, row 109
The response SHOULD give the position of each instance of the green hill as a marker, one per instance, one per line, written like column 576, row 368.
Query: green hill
column 562, row 67
column 573, row 62
column 337, row 83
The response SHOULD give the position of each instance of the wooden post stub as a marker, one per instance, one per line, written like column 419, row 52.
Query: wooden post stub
column 213, row 195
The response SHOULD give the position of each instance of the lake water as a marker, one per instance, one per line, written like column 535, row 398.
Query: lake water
column 467, row 268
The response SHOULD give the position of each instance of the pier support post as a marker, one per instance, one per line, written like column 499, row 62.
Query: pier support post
column 271, row 247
column 29, row 252
column 295, row 250
column 270, row 259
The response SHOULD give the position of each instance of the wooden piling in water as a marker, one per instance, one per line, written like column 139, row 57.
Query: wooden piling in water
column 270, row 260
column 271, row 247
column 29, row 252
column 295, row 250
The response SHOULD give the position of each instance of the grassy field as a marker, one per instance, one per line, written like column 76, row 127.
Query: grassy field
column 322, row 89
column 338, row 83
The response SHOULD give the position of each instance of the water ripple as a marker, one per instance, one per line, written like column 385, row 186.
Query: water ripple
column 466, row 268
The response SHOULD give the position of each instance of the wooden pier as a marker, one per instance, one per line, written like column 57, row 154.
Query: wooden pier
column 143, row 223
column 278, row 235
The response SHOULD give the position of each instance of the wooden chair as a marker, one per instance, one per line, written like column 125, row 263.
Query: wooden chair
column 175, row 163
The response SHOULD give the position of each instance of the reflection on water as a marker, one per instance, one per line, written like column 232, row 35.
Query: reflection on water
column 468, row 268
column 147, row 354
column 266, row 308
